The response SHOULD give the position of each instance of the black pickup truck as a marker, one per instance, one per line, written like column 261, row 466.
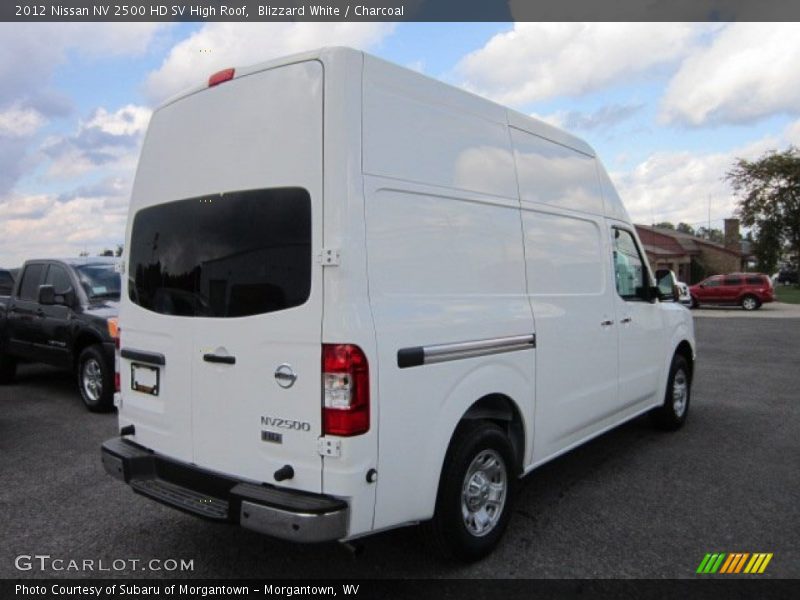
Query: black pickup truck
column 64, row 313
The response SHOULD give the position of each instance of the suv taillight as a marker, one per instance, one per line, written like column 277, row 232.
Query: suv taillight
column 345, row 390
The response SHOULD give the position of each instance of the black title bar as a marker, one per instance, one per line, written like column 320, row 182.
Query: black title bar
column 400, row 10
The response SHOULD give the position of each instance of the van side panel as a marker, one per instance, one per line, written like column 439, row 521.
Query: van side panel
column 445, row 265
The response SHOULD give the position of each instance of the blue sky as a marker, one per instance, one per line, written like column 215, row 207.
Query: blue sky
column 668, row 107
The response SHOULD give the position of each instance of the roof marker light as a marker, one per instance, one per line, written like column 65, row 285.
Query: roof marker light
column 221, row 77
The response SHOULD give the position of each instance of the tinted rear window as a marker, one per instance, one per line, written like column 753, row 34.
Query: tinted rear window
column 733, row 281
column 755, row 280
column 224, row 255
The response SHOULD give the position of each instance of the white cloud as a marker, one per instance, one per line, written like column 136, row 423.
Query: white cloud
column 90, row 219
column 110, row 140
column 128, row 120
column 676, row 186
column 16, row 121
column 536, row 61
column 220, row 45
column 748, row 71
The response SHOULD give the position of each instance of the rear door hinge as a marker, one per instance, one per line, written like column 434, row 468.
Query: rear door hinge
column 329, row 257
column 329, row 447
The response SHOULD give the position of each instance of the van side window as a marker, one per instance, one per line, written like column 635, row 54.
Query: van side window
column 223, row 255
column 733, row 281
column 629, row 269
column 31, row 278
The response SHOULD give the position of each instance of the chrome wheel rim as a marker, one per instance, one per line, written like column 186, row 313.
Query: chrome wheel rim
column 92, row 380
column 483, row 495
column 749, row 303
column 680, row 392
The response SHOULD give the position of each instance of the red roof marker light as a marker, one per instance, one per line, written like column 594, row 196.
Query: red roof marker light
column 221, row 77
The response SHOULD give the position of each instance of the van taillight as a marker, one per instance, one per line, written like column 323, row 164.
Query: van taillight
column 114, row 331
column 221, row 77
column 345, row 390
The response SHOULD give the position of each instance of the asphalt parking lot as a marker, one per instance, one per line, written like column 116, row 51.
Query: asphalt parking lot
column 633, row 503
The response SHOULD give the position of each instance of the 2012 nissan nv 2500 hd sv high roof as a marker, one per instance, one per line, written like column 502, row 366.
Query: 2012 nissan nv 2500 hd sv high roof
column 356, row 298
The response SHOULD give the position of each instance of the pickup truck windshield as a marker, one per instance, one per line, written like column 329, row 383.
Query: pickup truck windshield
column 99, row 280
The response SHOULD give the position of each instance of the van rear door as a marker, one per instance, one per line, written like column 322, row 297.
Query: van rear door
column 222, row 279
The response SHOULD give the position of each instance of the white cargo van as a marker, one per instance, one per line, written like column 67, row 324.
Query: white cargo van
column 356, row 298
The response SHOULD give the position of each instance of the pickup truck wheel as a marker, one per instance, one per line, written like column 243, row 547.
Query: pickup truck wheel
column 8, row 368
column 476, row 490
column 750, row 303
column 672, row 414
column 95, row 380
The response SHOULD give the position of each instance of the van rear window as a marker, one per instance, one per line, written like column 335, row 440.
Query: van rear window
column 223, row 255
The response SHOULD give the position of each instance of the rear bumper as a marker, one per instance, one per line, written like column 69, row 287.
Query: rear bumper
column 281, row 513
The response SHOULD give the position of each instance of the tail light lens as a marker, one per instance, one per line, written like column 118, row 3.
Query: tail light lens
column 345, row 390
column 113, row 331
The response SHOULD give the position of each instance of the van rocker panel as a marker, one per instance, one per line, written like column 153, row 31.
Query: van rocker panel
column 286, row 514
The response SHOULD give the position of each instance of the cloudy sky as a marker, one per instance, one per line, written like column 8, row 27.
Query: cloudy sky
column 667, row 106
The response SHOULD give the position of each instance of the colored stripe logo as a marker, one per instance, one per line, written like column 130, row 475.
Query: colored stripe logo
column 734, row 562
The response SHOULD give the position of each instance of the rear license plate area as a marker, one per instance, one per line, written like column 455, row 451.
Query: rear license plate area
column 145, row 379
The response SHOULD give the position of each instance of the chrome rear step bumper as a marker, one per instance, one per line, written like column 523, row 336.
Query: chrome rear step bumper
column 281, row 513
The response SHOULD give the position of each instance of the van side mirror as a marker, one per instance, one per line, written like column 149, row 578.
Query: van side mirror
column 666, row 286
column 47, row 295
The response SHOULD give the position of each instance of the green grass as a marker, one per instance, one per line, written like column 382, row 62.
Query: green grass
column 787, row 293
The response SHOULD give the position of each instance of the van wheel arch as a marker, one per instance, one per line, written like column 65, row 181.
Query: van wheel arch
column 504, row 412
column 685, row 350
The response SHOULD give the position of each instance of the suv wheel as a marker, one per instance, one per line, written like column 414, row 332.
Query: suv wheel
column 672, row 414
column 8, row 368
column 750, row 302
column 694, row 303
column 95, row 380
column 476, row 490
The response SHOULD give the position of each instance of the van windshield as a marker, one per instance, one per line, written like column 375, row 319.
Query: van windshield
column 223, row 255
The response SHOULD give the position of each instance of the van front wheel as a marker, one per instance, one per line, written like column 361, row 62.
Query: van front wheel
column 672, row 414
column 476, row 491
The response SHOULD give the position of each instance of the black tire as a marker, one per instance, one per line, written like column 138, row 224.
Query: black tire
column 694, row 304
column 95, row 379
column 8, row 368
column 750, row 302
column 480, row 445
column 673, row 413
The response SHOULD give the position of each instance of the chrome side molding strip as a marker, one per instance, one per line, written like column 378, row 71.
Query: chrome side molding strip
column 425, row 355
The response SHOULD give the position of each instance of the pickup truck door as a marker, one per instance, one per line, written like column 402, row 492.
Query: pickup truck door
column 24, row 313
column 54, row 335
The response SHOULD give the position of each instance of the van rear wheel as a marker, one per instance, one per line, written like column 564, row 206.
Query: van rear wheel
column 8, row 368
column 95, row 379
column 476, row 491
column 672, row 414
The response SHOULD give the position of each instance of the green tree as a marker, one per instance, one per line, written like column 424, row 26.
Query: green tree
column 665, row 225
column 685, row 228
column 768, row 190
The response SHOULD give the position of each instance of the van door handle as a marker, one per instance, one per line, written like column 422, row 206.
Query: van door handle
column 216, row 358
column 626, row 320
column 606, row 323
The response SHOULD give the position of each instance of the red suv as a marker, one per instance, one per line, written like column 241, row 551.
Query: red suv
column 749, row 290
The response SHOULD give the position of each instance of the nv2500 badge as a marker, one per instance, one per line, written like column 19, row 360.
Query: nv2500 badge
column 285, row 423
